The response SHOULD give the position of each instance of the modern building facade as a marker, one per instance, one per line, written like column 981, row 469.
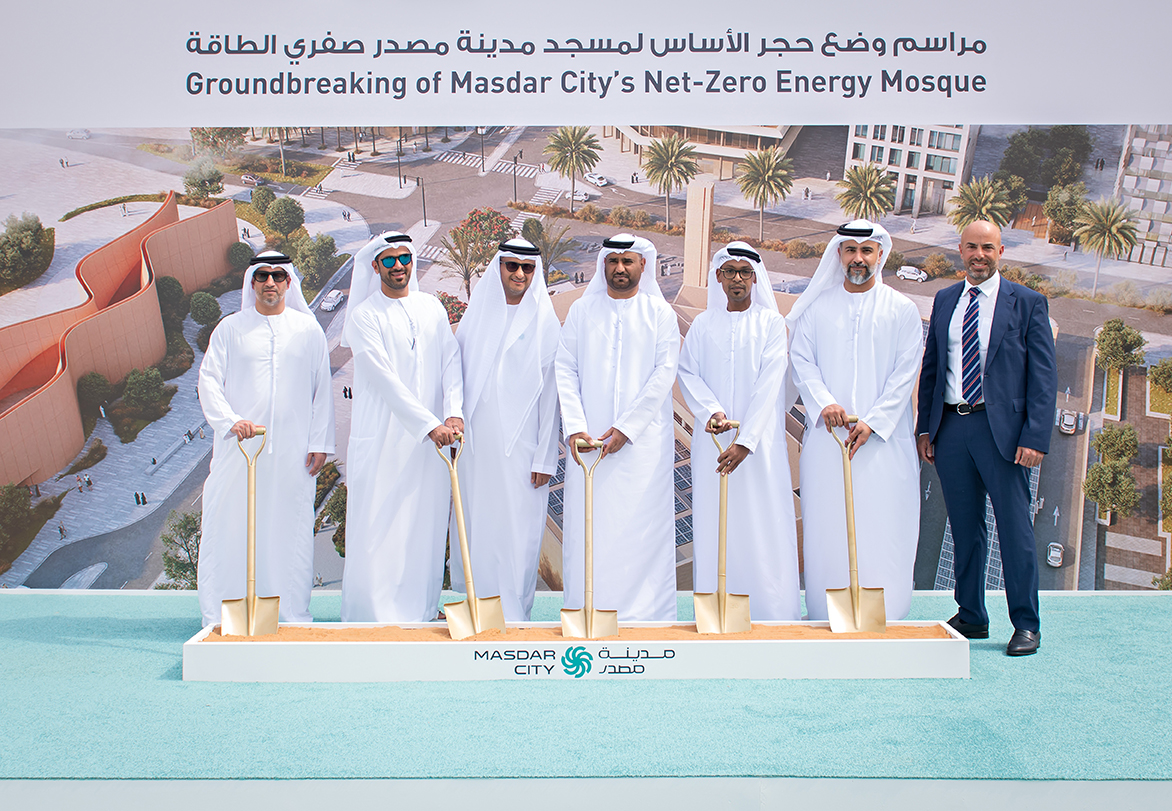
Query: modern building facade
column 1144, row 184
column 928, row 161
column 718, row 151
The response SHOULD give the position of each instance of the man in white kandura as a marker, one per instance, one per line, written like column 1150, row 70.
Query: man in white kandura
column 733, row 367
column 265, row 365
column 508, row 339
column 855, row 350
column 616, row 364
column 408, row 397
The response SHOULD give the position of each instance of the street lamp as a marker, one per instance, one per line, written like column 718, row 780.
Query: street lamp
column 480, row 132
column 423, row 197
column 399, row 157
column 515, row 177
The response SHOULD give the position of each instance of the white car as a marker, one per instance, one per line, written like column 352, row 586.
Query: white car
column 249, row 179
column 597, row 179
column 332, row 300
column 911, row 274
column 1066, row 421
column 1054, row 554
column 78, row 135
column 578, row 194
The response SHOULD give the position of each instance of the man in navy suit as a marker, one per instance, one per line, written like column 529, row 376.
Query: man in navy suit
column 986, row 410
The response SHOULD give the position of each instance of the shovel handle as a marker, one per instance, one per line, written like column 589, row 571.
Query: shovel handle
column 851, row 420
column 260, row 430
column 450, row 460
column 732, row 424
column 582, row 444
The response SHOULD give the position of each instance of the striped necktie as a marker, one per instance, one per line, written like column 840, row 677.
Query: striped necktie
column 971, row 350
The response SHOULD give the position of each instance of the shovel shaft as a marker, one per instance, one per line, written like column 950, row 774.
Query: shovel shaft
column 851, row 549
column 250, row 583
column 722, row 532
column 461, row 529
column 588, row 524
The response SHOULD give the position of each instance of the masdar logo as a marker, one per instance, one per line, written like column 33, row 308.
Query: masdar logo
column 576, row 661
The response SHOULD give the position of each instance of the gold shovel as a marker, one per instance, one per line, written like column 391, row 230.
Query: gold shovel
column 589, row 622
column 722, row 613
column 854, row 609
column 473, row 614
column 251, row 616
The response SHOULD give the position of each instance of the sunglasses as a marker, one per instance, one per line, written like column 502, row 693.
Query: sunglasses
column 403, row 259
column 277, row 275
column 513, row 267
column 747, row 274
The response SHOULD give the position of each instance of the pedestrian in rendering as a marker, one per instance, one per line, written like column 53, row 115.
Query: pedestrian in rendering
column 988, row 389
column 137, row 500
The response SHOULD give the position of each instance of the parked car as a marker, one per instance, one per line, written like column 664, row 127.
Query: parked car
column 332, row 300
column 252, row 180
column 911, row 274
column 597, row 179
column 78, row 135
column 1066, row 421
column 1054, row 554
column 578, row 194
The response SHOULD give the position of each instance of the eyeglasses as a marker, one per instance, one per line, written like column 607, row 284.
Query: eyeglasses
column 403, row 259
column 513, row 267
column 747, row 274
column 263, row 275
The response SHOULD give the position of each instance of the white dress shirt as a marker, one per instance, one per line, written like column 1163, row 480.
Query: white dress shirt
column 987, row 303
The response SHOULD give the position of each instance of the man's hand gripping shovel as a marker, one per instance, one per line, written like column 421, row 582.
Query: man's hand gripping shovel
column 589, row 622
column 722, row 613
column 853, row 609
column 473, row 614
column 251, row 616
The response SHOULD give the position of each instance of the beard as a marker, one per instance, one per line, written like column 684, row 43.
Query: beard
column 859, row 275
column 981, row 274
column 394, row 283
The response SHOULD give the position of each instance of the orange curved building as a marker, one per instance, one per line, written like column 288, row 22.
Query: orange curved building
column 118, row 328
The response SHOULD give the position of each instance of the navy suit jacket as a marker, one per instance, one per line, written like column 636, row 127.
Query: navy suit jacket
column 1020, row 381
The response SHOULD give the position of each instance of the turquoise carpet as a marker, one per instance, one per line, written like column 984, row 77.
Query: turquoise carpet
column 90, row 687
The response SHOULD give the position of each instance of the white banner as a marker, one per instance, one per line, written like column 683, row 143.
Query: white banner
column 690, row 62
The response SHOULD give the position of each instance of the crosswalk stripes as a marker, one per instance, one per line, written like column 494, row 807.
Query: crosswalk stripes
column 523, row 169
column 433, row 252
column 314, row 194
column 519, row 221
column 544, row 196
column 461, row 158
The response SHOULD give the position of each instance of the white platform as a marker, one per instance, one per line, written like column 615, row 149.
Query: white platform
column 577, row 660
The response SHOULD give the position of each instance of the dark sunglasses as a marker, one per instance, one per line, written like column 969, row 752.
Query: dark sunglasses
column 403, row 259
column 263, row 275
column 731, row 273
column 513, row 267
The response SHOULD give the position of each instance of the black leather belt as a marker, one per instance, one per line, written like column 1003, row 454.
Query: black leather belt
column 964, row 408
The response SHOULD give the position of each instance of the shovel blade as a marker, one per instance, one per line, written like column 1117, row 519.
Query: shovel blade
column 234, row 616
column 709, row 620
column 266, row 615
column 461, row 625
column 841, row 611
column 577, row 623
column 459, row 617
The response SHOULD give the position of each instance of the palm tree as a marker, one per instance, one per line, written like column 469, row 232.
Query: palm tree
column 548, row 239
column 765, row 178
column 670, row 163
column 1106, row 227
column 867, row 192
column 983, row 199
column 572, row 150
column 466, row 255
column 269, row 132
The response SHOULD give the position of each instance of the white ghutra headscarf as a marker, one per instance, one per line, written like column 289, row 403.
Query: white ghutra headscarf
column 620, row 243
column 365, row 279
column 274, row 261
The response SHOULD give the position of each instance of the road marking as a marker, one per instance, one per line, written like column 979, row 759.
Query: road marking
column 148, row 557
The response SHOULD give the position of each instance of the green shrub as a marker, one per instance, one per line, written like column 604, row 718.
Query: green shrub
column 799, row 249
column 640, row 219
column 143, row 387
column 205, row 310
column 591, row 213
column 619, row 216
column 204, row 337
column 26, row 249
column 261, row 198
column 93, row 389
column 239, row 255
column 895, row 260
column 285, row 215
column 936, row 265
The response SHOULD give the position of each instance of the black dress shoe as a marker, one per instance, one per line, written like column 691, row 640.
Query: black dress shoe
column 1023, row 643
column 968, row 630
